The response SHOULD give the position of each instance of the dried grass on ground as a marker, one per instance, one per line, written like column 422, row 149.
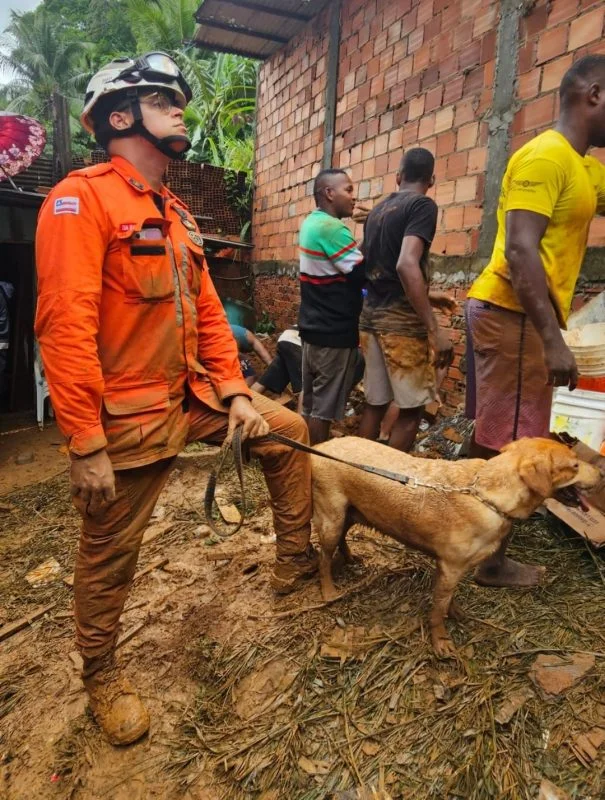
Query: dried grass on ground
column 351, row 695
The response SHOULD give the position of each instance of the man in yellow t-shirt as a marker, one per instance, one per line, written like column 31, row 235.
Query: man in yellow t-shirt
column 517, row 306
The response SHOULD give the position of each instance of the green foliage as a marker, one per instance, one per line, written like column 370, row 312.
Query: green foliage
column 265, row 324
column 62, row 43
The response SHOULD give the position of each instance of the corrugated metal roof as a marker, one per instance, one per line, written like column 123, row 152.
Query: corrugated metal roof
column 255, row 28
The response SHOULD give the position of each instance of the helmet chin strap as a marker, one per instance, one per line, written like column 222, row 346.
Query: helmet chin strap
column 164, row 145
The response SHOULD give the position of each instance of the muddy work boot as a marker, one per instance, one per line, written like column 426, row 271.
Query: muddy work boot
column 289, row 571
column 114, row 702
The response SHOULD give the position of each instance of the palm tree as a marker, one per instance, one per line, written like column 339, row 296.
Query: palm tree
column 41, row 62
column 166, row 25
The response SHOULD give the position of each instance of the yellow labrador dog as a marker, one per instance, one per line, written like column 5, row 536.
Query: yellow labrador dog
column 456, row 511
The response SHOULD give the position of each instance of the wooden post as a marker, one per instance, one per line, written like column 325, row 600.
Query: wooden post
column 62, row 163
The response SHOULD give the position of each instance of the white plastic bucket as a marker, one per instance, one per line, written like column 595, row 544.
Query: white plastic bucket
column 581, row 413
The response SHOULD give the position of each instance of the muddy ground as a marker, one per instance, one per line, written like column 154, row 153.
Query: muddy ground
column 218, row 593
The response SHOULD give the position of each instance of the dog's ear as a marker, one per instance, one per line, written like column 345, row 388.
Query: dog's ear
column 536, row 474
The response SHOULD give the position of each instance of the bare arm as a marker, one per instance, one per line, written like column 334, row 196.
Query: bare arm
column 258, row 347
column 524, row 230
column 413, row 282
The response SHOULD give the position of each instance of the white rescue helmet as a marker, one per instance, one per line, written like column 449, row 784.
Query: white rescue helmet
column 155, row 70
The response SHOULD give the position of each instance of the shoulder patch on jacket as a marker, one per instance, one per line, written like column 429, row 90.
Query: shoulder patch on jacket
column 91, row 171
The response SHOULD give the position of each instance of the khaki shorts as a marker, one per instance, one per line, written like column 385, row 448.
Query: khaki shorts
column 328, row 375
column 398, row 368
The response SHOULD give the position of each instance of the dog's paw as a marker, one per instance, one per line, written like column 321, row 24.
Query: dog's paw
column 443, row 645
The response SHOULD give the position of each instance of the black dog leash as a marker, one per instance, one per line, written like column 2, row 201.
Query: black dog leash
column 235, row 444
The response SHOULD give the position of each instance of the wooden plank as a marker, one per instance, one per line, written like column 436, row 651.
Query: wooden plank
column 14, row 627
column 126, row 637
column 157, row 564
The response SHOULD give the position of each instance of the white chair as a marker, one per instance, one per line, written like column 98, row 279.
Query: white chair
column 41, row 388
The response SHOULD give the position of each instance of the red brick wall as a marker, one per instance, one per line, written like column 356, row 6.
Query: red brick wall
column 554, row 34
column 289, row 141
column 410, row 72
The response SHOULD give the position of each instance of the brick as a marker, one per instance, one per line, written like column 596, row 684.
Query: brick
column 453, row 90
column 472, row 216
column 405, row 68
column 394, row 160
column 412, row 86
column 457, row 243
column 463, row 34
column 526, row 57
column 368, row 169
column 539, row 113
column 438, row 245
column 528, row 84
column 467, row 136
column 456, row 165
column 488, row 47
column 386, row 122
column 453, row 218
column 469, row 56
column 432, row 28
column 430, row 76
column 552, row 73
column 409, row 21
column 444, row 119
column 416, row 107
column 381, row 164
column 425, row 11
column 396, row 139
column 473, row 81
column 446, row 143
column 552, row 43
column 466, row 189
column 422, row 58
column 477, row 160
column 416, row 39
column 367, row 150
column 561, row 10
column 448, row 66
column 410, row 133
column 382, row 144
column 373, row 67
column 465, row 112
column 427, row 126
column 536, row 21
column 586, row 28
column 433, row 98
column 444, row 193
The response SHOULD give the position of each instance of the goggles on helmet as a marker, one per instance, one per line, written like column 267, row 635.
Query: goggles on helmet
column 155, row 66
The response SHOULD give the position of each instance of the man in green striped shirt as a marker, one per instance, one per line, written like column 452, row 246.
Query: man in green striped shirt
column 331, row 277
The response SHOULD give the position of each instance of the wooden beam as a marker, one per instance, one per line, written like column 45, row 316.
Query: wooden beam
column 265, row 9
column 13, row 627
column 241, row 31
column 213, row 47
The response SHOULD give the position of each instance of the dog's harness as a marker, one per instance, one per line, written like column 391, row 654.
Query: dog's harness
column 235, row 444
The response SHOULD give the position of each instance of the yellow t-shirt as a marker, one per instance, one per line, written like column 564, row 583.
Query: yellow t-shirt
column 549, row 177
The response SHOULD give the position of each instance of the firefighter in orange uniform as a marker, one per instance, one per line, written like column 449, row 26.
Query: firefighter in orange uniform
column 140, row 361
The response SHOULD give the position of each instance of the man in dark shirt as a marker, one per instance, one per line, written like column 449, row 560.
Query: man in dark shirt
column 400, row 336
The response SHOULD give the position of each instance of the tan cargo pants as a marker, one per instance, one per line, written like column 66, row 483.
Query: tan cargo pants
column 110, row 540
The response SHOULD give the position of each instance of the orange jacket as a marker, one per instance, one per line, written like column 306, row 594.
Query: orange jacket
column 127, row 316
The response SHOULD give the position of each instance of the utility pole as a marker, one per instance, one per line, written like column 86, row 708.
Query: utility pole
column 62, row 163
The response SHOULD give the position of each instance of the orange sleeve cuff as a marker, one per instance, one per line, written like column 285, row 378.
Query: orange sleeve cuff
column 227, row 389
column 88, row 441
